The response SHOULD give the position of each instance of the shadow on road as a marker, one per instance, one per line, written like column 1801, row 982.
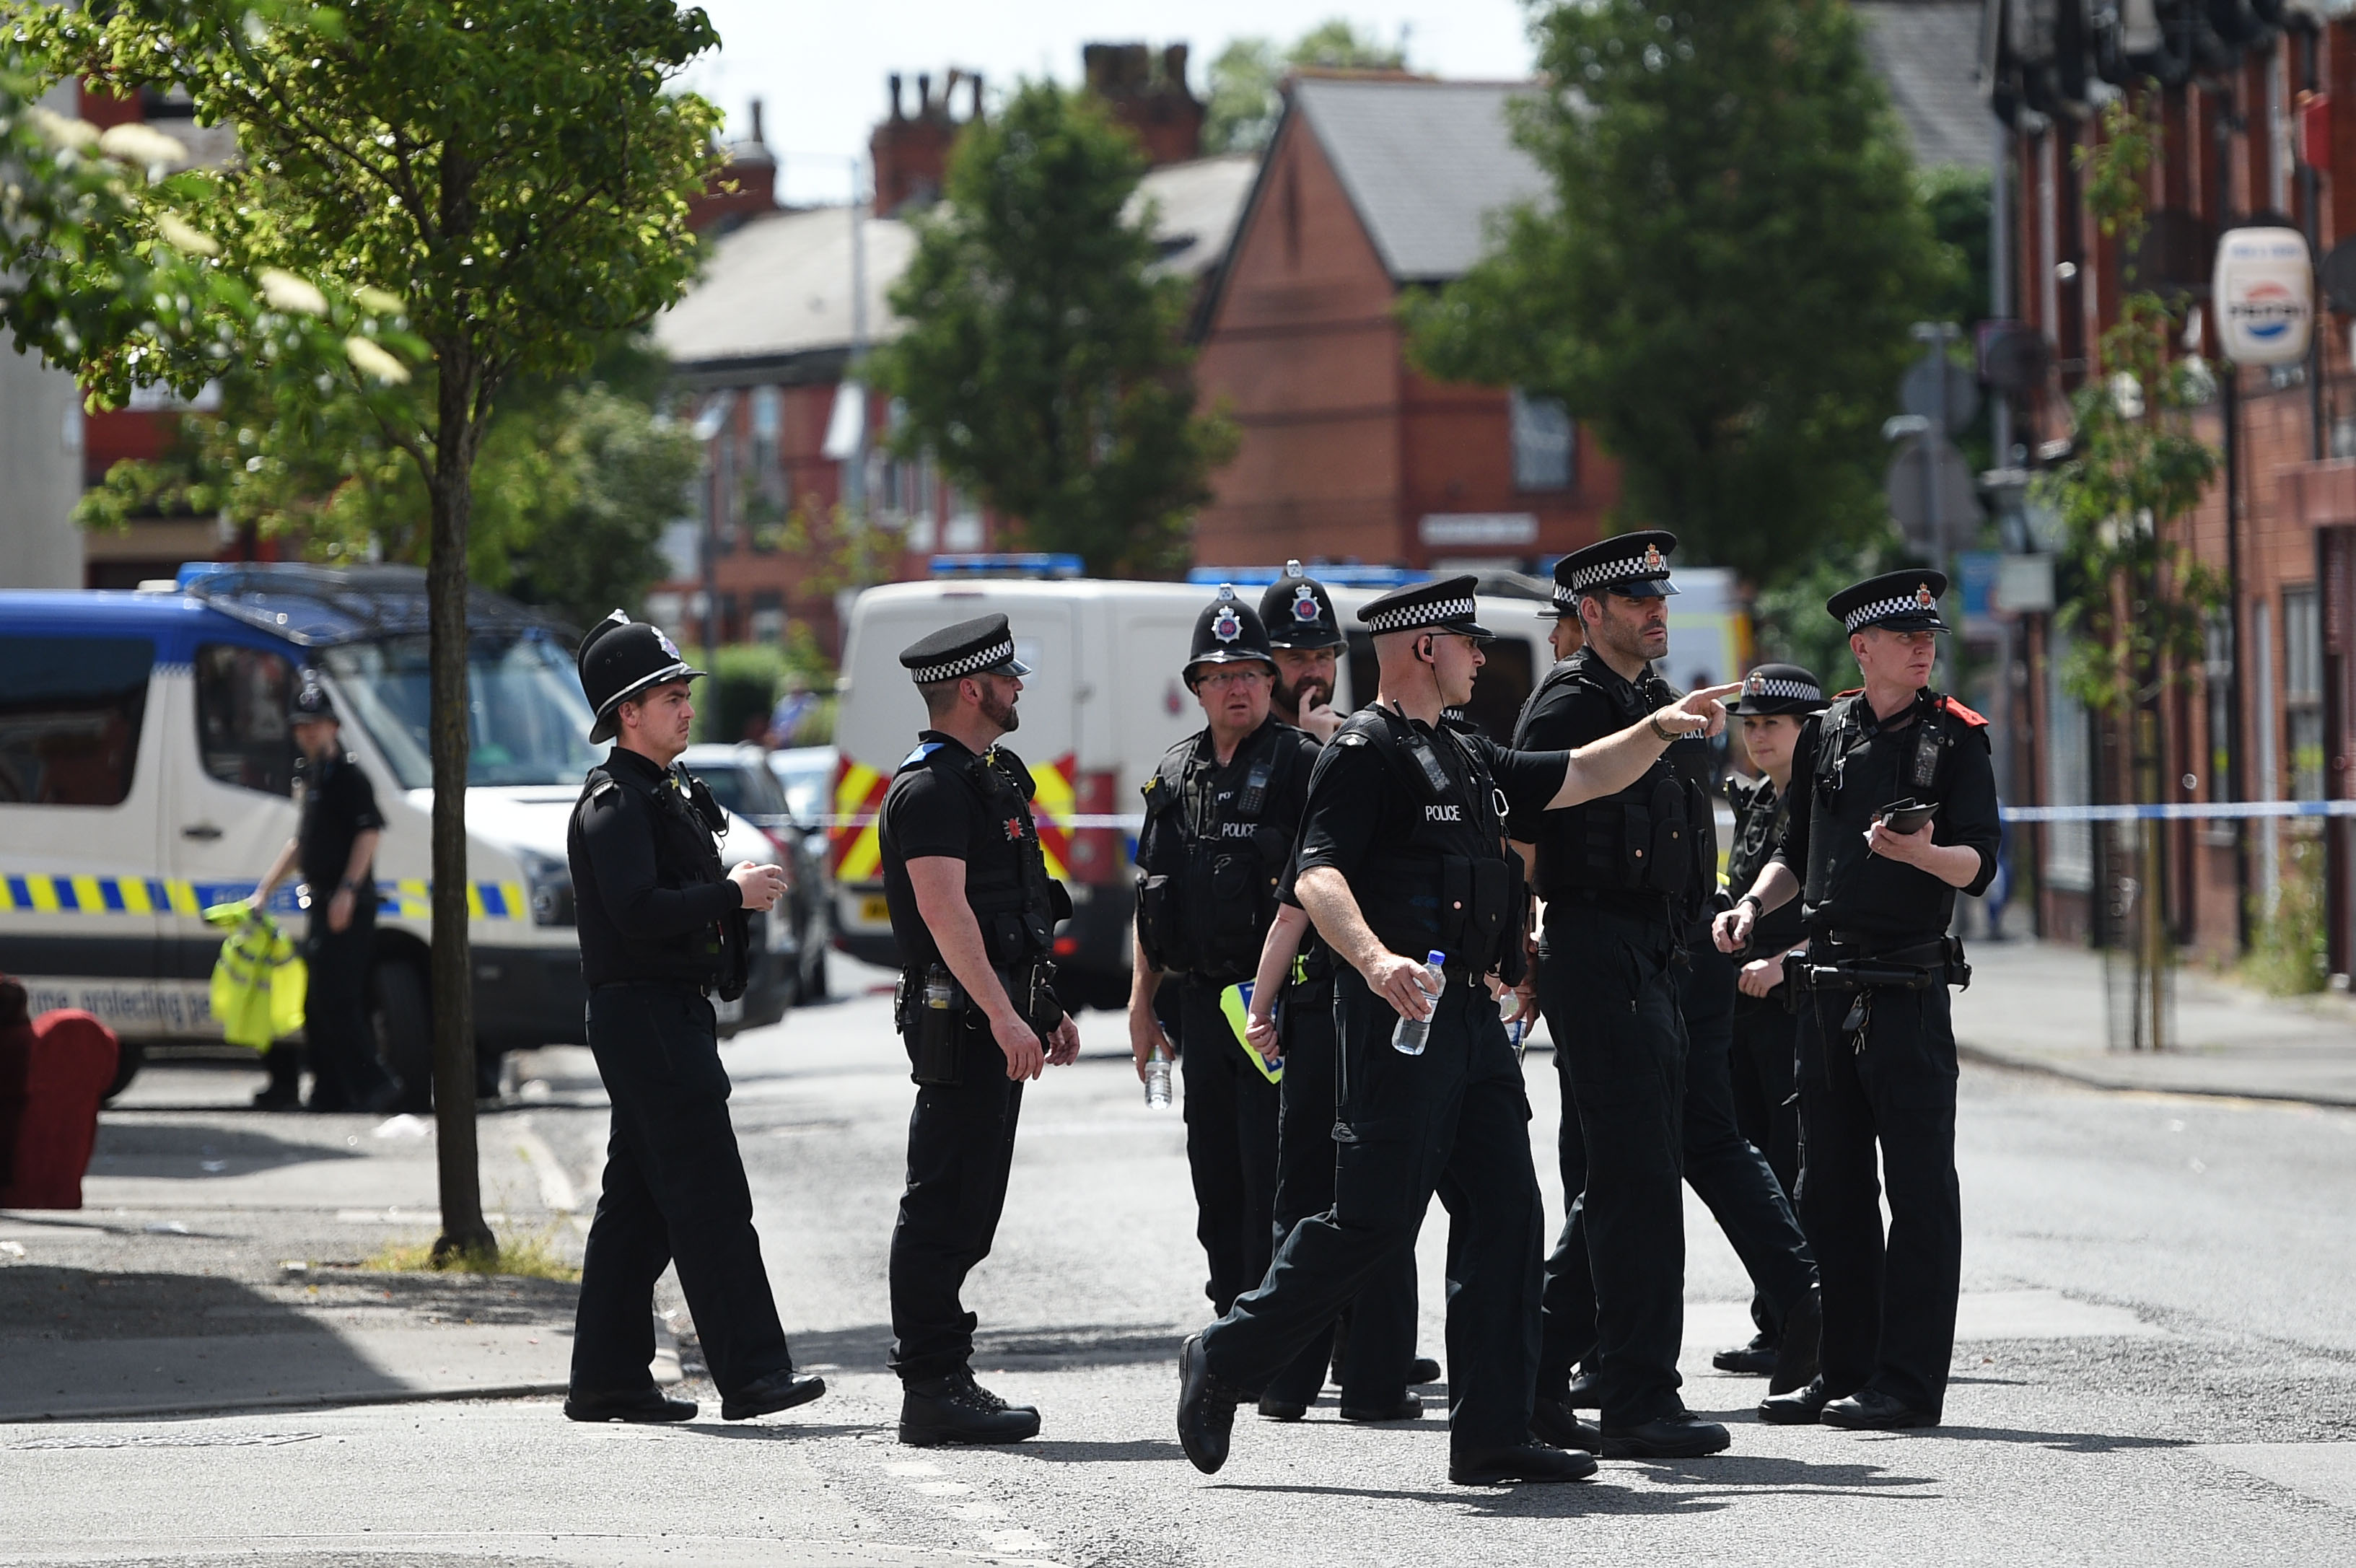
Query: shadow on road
column 2060, row 1442
column 1081, row 1452
column 130, row 1144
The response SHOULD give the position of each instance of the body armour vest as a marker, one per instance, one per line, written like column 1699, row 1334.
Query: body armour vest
column 1655, row 837
column 1452, row 886
column 687, row 820
column 1013, row 899
column 1843, row 732
column 1207, row 874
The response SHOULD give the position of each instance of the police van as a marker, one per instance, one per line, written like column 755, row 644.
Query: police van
column 147, row 767
column 1104, row 702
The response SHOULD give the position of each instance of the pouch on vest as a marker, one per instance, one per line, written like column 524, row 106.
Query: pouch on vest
column 1157, row 915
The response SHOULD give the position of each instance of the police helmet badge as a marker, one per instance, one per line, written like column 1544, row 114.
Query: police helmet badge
column 1227, row 625
column 1756, row 685
column 668, row 645
column 1653, row 562
column 1925, row 597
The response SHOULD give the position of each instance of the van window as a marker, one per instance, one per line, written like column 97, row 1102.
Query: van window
column 1504, row 686
column 242, row 735
column 527, row 720
column 70, row 717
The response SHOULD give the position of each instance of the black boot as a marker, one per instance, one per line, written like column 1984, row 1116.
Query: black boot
column 284, row 1090
column 1207, row 1408
column 955, row 1408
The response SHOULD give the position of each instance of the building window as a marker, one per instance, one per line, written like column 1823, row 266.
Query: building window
column 2303, row 690
column 242, row 736
column 768, row 616
column 1544, row 439
column 2069, row 776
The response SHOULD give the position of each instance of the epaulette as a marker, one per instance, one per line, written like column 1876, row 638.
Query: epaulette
column 1352, row 738
column 922, row 752
column 1964, row 713
column 1852, row 692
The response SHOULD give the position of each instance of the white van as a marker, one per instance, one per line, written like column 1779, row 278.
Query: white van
column 1105, row 700
column 145, row 771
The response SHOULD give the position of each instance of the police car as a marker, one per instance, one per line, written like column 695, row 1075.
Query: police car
column 147, row 769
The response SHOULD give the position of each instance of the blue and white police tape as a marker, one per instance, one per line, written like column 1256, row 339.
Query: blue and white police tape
column 1131, row 822
column 2180, row 811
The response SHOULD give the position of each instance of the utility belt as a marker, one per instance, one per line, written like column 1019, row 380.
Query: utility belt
column 933, row 1014
column 1841, row 961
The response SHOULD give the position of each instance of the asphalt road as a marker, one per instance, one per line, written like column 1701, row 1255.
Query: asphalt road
column 2157, row 1366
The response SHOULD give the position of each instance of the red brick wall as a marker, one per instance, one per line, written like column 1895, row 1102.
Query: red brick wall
column 1345, row 447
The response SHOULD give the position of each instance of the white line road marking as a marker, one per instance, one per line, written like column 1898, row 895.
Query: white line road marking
column 556, row 1189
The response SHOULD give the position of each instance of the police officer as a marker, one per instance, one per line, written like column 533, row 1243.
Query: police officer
column 1221, row 810
column 663, row 926
column 1776, row 698
column 1308, row 644
column 1901, row 812
column 974, row 913
column 1369, row 1351
column 335, row 847
column 1402, row 853
column 1627, row 880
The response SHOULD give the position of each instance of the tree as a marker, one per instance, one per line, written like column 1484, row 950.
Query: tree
column 517, row 170
column 573, row 487
column 2139, row 600
column 1042, row 366
column 1722, row 284
column 1244, row 103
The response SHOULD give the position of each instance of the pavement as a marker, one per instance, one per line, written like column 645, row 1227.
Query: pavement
column 2156, row 1356
column 2039, row 1008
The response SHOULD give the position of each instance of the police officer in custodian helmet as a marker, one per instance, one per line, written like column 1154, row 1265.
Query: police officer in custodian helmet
column 1901, row 812
column 973, row 911
column 1403, row 852
column 1221, row 810
column 663, row 926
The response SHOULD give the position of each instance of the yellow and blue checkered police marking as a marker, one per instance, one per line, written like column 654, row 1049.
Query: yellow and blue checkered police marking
column 34, row 893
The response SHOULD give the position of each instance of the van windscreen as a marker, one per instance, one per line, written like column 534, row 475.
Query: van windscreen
column 527, row 722
column 69, row 718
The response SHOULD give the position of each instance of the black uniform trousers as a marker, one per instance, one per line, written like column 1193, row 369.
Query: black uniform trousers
column 1454, row 1121
column 1726, row 1171
column 1231, row 1112
column 961, row 1147
column 1889, row 1304
column 1382, row 1316
column 1766, row 1103
column 339, row 967
column 1615, row 1283
column 674, row 1192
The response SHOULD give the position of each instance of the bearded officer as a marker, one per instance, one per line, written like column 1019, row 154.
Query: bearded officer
column 1403, row 852
column 1776, row 699
column 1220, row 813
column 661, row 926
column 1307, row 645
column 1641, row 1031
column 973, row 912
column 1877, row 883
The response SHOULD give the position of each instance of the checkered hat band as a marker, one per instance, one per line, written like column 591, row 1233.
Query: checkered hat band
column 1882, row 609
column 997, row 652
column 1406, row 618
column 1563, row 595
column 1773, row 686
column 1627, row 568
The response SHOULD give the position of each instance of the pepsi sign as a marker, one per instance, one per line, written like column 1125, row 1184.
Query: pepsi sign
column 2263, row 295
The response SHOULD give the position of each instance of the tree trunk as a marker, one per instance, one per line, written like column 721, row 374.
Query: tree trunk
column 452, row 487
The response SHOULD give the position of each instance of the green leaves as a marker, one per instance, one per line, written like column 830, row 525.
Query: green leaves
column 1722, row 285
column 1042, row 366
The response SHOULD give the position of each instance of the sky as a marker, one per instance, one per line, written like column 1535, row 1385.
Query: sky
column 820, row 69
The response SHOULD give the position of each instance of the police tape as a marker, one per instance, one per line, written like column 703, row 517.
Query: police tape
column 2181, row 811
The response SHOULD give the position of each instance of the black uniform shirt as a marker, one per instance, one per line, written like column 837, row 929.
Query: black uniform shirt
column 1571, row 714
column 1358, row 809
column 339, row 805
column 1848, row 887
column 1759, row 830
column 647, row 885
column 933, row 811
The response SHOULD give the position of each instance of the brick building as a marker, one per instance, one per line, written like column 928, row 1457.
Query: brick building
column 761, row 348
column 1374, row 186
column 2255, row 128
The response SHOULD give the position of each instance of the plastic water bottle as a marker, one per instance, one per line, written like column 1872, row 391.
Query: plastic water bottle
column 1157, row 1079
column 1413, row 1033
